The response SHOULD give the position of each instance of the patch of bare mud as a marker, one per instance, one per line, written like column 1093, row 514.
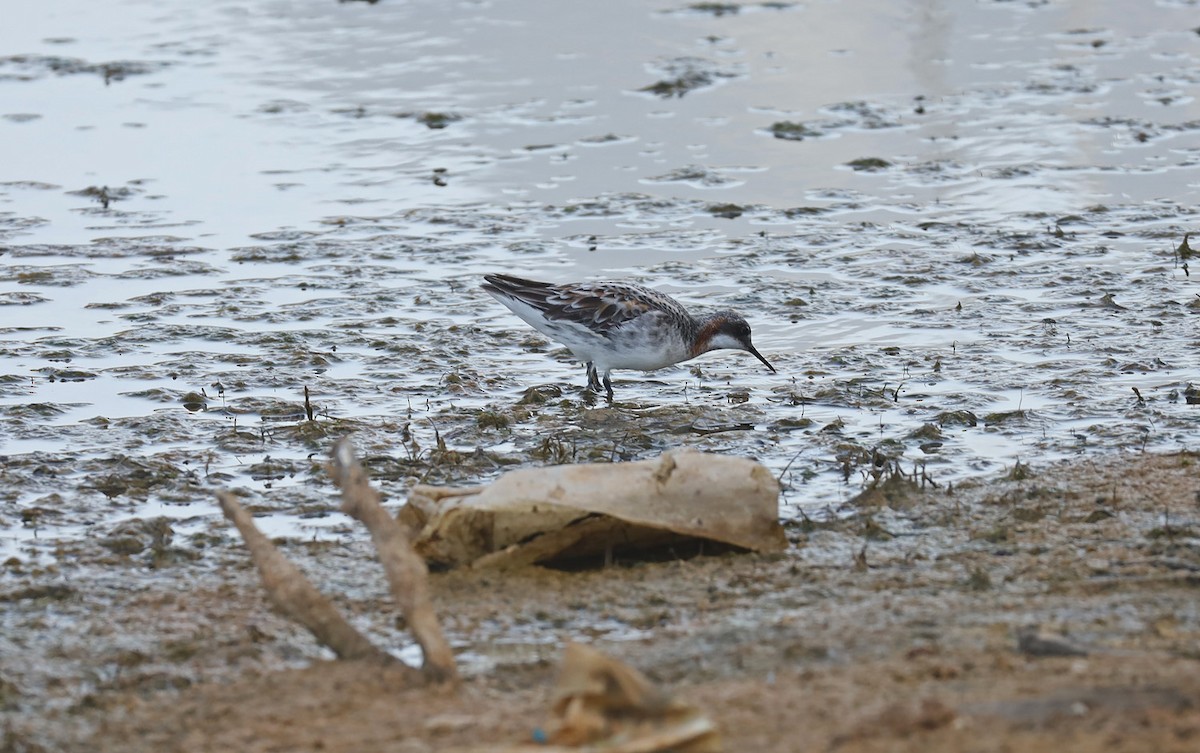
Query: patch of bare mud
column 894, row 628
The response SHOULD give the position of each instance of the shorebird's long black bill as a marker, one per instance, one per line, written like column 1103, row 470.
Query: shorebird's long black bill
column 759, row 356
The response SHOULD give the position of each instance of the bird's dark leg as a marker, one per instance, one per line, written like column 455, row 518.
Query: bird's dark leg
column 593, row 378
column 607, row 387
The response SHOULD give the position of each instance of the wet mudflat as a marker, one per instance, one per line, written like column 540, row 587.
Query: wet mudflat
column 959, row 233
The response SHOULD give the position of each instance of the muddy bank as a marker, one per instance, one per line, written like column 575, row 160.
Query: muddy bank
column 892, row 628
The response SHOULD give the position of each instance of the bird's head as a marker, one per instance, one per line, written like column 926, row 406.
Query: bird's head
column 727, row 329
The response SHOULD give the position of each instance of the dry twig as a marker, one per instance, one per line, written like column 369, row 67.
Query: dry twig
column 406, row 570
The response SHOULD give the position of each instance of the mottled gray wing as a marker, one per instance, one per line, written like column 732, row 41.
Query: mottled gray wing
column 601, row 306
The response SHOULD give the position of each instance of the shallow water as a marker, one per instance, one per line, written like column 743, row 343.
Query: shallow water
column 971, row 256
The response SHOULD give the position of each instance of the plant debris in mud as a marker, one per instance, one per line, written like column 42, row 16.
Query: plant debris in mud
column 694, row 175
column 868, row 164
column 1183, row 250
column 31, row 67
column 861, row 114
column 682, row 76
column 103, row 195
column 728, row 211
column 432, row 120
column 21, row 298
column 790, row 131
column 715, row 9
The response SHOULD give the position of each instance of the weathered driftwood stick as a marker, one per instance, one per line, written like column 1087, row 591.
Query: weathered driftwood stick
column 293, row 594
column 406, row 571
